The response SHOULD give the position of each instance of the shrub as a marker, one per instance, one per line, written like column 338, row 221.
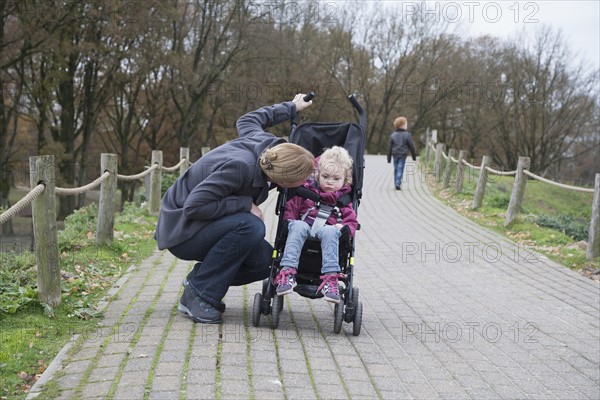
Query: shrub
column 18, row 281
column 564, row 223
column 498, row 201
column 77, row 226
column 166, row 181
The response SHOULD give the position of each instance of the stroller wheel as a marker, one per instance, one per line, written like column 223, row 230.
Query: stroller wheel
column 338, row 314
column 358, row 311
column 256, row 309
column 355, row 292
column 277, row 307
column 351, row 311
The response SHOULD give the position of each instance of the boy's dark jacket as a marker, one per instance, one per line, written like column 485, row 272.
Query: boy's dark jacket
column 400, row 144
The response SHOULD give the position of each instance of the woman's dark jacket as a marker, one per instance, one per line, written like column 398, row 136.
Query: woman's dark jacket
column 225, row 181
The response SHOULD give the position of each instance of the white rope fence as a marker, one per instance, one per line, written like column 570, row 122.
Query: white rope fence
column 175, row 167
column 501, row 173
column 465, row 162
column 513, row 173
column 78, row 190
column 129, row 178
column 21, row 204
column 557, row 184
column 518, row 190
column 60, row 191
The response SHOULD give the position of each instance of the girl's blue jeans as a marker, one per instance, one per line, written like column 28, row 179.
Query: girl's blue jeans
column 232, row 251
column 298, row 232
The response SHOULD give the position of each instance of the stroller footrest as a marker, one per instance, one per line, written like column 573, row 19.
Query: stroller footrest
column 309, row 291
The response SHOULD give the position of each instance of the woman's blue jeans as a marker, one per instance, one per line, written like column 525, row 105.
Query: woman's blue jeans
column 298, row 232
column 399, row 170
column 232, row 251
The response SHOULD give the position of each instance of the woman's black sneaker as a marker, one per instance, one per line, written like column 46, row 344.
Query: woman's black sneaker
column 197, row 309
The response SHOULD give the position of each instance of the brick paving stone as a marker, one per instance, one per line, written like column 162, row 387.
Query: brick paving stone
column 164, row 395
column 138, row 364
column 265, row 368
column 300, row 393
column 111, row 360
column 77, row 366
column 361, row 389
column 168, row 368
column 169, row 355
column 592, row 392
column 234, row 388
column 196, row 391
column 129, row 392
column 295, row 380
column 201, row 375
column 134, row 378
column 395, row 394
column 96, row 389
column 103, row 374
column 483, row 394
column 68, row 381
column 65, row 395
column 265, row 395
column 166, row 383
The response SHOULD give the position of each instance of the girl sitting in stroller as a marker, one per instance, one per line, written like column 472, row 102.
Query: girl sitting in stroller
column 332, row 181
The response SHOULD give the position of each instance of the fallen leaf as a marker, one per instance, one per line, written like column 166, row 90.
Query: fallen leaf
column 25, row 376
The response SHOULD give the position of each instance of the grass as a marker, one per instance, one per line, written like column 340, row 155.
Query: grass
column 32, row 333
column 552, row 220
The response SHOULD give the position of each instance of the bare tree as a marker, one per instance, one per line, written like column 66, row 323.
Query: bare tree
column 546, row 106
column 206, row 37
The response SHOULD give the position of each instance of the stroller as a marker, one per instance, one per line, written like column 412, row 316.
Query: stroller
column 316, row 137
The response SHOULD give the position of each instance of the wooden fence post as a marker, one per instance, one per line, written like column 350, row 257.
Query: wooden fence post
column 518, row 191
column 43, row 211
column 427, row 149
column 481, row 183
column 460, row 171
column 593, row 249
column 106, row 205
column 448, row 168
column 439, row 149
column 155, row 181
column 205, row 150
column 184, row 152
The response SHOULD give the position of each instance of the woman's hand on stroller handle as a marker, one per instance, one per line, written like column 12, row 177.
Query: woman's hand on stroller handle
column 302, row 100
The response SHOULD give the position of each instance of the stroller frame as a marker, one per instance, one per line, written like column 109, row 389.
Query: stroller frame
column 350, row 309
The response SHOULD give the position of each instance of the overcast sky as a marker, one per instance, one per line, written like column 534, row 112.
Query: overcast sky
column 579, row 20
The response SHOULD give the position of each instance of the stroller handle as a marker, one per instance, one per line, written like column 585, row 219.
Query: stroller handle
column 309, row 96
column 294, row 122
column 362, row 118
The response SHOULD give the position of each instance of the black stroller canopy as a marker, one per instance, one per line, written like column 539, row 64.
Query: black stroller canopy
column 318, row 136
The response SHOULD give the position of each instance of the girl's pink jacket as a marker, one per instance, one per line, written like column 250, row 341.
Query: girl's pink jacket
column 297, row 206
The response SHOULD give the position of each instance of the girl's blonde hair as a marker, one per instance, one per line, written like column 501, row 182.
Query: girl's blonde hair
column 334, row 159
column 287, row 163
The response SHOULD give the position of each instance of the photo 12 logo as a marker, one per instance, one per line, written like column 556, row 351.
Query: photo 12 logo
column 453, row 12
column 469, row 332
column 468, row 252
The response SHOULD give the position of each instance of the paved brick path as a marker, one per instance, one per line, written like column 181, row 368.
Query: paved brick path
column 451, row 310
